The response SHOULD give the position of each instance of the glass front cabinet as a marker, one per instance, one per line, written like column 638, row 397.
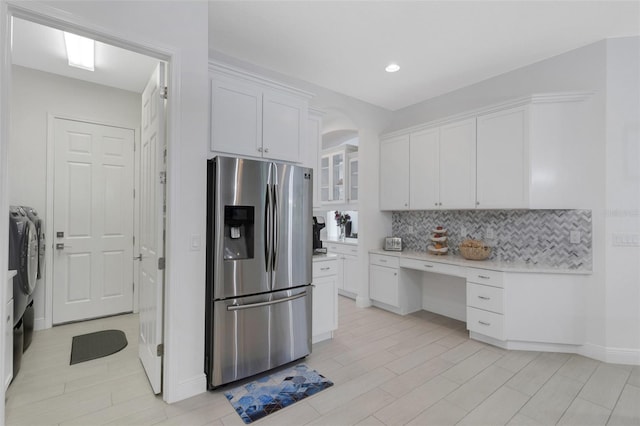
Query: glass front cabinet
column 336, row 175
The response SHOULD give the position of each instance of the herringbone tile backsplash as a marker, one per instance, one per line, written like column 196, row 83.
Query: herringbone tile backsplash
column 534, row 236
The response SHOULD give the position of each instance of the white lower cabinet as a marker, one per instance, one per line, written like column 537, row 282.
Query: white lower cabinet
column 325, row 299
column 393, row 288
column 485, row 303
column 383, row 285
column 348, row 268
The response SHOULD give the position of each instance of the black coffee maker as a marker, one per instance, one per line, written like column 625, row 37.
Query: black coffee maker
column 318, row 225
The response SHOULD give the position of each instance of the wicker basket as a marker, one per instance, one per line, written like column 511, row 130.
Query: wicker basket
column 475, row 253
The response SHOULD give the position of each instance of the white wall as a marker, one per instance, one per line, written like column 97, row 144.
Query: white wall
column 35, row 94
column 610, row 70
column 178, row 29
column 623, row 196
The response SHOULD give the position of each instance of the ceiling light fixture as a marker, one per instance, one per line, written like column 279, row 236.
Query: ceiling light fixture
column 392, row 68
column 80, row 51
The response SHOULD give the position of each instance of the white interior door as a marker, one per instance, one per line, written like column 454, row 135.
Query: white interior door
column 152, row 201
column 93, row 220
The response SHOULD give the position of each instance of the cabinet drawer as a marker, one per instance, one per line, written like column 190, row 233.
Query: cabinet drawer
column 485, row 276
column 485, row 297
column 342, row 248
column 325, row 268
column 486, row 323
column 435, row 267
column 388, row 261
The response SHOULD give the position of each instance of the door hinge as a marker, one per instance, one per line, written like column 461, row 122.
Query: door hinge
column 164, row 92
column 134, row 193
column 134, row 240
column 133, row 287
column 160, row 349
column 163, row 177
column 161, row 263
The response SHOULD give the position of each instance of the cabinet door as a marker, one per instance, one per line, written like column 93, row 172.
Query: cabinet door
column 501, row 152
column 310, row 151
column 424, row 170
column 394, row 174
column 353, row 181
column 324, row 178
column 351, row 275
column 383, row 285
column 458, row 165
column 338, row 177
column 325, row 305
column 284, row 126
column 236, row 118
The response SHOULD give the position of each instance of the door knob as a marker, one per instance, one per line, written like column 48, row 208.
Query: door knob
column 61, row 246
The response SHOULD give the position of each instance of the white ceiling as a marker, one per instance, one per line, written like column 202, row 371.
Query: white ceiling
column 440, row 45
column 42, row 48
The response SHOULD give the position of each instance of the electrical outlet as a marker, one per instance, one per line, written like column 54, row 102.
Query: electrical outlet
column 410, row 229
column 489, row 233
column 463, row 231
column 574, row 237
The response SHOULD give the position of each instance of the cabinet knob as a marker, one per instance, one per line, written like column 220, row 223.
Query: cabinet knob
column 477, row 203
column 266, row 150
column 405, row 204
column 259, row 149
column 439, row 204
column 435, row 204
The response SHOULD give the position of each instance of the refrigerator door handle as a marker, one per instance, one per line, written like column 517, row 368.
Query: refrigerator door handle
column 276, row 229
column 259, row 304
column 268, row 222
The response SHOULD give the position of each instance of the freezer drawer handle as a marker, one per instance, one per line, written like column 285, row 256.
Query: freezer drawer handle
column 259, row 304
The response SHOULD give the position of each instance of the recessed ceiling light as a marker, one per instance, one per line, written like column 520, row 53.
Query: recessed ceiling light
column 80, row 51
column 392, row 68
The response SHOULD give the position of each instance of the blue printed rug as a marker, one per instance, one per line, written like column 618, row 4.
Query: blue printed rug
column 271, row 393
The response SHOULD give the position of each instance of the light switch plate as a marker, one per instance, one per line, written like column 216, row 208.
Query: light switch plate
column 195, row 242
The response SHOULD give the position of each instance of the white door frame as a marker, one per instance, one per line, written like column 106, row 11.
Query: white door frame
column 52, row 17
column 49, row 231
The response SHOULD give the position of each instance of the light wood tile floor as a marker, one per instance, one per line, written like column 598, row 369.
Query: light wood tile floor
column 421, row 369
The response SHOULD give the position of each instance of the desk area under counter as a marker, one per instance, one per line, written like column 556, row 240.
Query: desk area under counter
column 510, row 305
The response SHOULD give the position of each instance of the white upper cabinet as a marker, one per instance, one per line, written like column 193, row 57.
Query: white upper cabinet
column 352, row 195
column 256, row 117
column 429, row 169
column 335, row 175
column 284, row 121
column 310, row 152
column 394, row 173
column 502, row 147
column 458, row 165
column 536, row 152
column 236, row 117
column 424, row 169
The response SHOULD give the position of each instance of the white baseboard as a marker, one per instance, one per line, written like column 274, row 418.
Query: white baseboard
column 601, row 353
column 611, row 355
column 39, row 324
column 363, row 302
column 187, row 388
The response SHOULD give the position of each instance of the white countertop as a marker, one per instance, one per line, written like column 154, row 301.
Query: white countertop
column 349, row 241
column 323, row 256
column 494, row 265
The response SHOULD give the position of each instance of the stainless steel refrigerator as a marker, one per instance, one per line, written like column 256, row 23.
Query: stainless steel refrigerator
column 259, row 247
